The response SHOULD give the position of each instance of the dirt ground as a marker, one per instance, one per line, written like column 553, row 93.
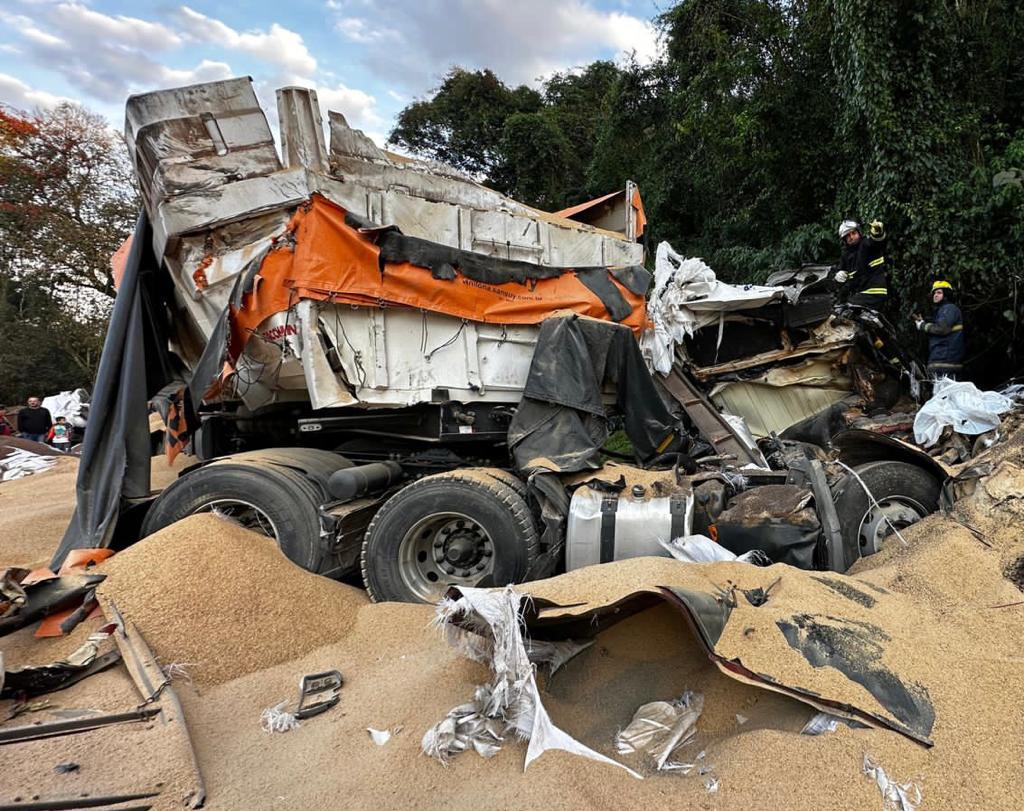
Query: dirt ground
column 246, row 625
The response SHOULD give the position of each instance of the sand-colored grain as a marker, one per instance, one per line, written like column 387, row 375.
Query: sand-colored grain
column 400, row 673
column 224, row 600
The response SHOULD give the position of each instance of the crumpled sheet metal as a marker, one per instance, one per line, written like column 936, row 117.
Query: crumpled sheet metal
column 838, row 644
column 47, row 596
column 687, row 296
column 38, row 679
column 486, row 625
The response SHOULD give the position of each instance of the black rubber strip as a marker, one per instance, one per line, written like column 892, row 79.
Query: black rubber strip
column 609, row 504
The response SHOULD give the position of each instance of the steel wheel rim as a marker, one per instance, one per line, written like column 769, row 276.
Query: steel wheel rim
column 243, row 513
column 441, row 550
column 899, row 511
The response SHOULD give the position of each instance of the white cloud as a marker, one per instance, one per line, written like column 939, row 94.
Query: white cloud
column 15, row 93
column 89, row 25
column 359, row 108
column 520, row 41
column 279, row 46
column 205, row 71
column 105, row 57
column 364, row 32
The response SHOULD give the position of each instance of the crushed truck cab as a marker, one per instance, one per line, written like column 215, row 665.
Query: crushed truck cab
column 403, row 375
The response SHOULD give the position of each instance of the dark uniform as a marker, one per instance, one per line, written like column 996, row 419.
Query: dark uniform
column 867, row 282
column 945, row 330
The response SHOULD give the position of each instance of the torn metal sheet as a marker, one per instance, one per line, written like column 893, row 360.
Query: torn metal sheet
column 827, row 649
column 769, row 409
column 86, row 660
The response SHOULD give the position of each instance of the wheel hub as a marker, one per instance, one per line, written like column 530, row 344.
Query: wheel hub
column 881, row 519
column 445, row 549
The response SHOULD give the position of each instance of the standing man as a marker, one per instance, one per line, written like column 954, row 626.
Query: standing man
column 34, row 422
column 945, row 330
column 863, row 273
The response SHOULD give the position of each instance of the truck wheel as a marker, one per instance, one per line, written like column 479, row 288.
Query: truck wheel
column 904, row 494
column 461, row 528
column 271, row 499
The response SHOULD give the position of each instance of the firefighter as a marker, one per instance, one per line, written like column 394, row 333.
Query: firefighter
column 945, row 330
column 863, row 273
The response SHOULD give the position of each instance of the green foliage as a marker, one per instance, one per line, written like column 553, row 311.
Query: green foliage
column 533, row 146
column 765, row 122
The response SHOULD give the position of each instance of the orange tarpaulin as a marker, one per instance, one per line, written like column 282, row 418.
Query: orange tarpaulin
column 327, row 258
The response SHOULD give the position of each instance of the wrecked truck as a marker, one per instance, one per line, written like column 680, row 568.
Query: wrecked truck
column 402, row 375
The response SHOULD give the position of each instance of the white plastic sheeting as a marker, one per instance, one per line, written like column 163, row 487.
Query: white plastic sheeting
column 489, row 630
column 72, row 405
column 20, row 463
column 659, row 728
column 961, row 405
column 895, row 796
column 700, row 549
column 687, row 296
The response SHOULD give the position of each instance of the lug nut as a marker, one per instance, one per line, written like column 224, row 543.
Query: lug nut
column 448, row 568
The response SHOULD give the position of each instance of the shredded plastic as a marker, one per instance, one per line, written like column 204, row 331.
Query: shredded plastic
column 278, row 719
column 379, row 736
column 686, row 297
column 485, row 625
column 660, row 727
column 960, row 405
column 700, row 549
column 20, row 463
column 895, row 796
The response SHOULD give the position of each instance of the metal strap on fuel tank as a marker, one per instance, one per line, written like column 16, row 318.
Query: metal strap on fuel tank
column 677, row 509
column 609, row 505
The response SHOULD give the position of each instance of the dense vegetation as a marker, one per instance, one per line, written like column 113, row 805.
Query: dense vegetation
column 765, row 122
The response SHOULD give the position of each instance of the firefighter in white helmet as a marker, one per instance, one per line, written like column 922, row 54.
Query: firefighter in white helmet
column 863, row 273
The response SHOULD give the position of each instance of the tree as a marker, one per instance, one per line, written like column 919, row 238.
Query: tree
column 766, row 122
column 462, row 125
column 533, row 145
column 66, row 204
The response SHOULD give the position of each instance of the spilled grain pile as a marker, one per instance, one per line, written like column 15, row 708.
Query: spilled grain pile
column 223, row 600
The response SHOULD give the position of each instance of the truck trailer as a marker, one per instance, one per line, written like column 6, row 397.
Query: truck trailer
column 407, row 378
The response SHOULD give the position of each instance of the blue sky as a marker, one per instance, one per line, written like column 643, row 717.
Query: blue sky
column 367, row 58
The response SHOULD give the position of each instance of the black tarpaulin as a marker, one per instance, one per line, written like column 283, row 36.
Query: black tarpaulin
column 135, row 364
column 561, row 423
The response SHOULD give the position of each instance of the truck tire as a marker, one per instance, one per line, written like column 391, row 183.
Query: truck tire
column 461, row 528
column 905, row 494
column 269, row 497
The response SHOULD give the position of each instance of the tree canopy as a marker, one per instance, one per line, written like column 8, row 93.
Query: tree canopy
column 766, row 122
column 67, row 201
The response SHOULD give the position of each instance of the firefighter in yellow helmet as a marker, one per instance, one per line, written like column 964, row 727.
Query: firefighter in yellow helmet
column 945, row 330
column 863, row 273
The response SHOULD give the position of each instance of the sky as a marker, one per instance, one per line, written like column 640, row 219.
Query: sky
column 366, row 58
